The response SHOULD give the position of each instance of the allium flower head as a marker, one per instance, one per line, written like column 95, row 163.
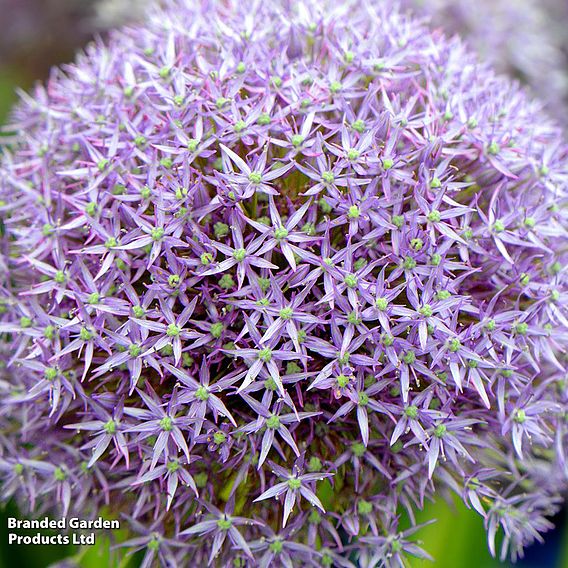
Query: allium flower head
column 273, row 275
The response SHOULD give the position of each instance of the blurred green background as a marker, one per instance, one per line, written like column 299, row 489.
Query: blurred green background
column 42, row 33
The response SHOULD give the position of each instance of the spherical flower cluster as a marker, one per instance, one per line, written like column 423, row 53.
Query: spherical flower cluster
column 525, row 39
column 271, row 276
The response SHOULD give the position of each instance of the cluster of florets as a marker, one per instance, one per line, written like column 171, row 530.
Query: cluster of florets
column 274, row 275
column 525, row 38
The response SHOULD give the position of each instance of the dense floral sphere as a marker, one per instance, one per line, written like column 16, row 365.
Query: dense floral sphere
column 525, row 39
column 272, row 276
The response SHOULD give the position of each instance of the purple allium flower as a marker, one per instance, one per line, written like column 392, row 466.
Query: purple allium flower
column 272, row 276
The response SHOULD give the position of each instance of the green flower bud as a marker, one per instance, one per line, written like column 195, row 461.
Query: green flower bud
column 273, row 422
column 134, row 350
column 454, row 345
column 110, row 427
column 265, row 355
column 202, row 393
column 276, row 546
column 264, row 283
column 216, row 329
column 354, row 212
column 239, row 126
column 51, row 373
column 353, row 318
column 324, row 206
column 443, row 295
column 239, row 254
column 297, row 140
column 411, row 412
column 206, row 258
column 409, row 357
column 555, row 268
column 524, row 279
column 359, row 126
column 270, row 384
column 138, row 311
column 440, row 431
column 85, row 334
column 342, row 381
column 351, row 280
column 381, row 304
column 409, row 263
column 157, row 233
column 434, row 216
column 91, row 209
column 219, row 438
column 328, row 177
column 192, row 145
column 353, row 154
column 280, row 233
column 493, row 149
column 59, row 474
column 294, row 483
column 521, row 328
column 221, row 230
column 417, row 244
column 224, row 524
column 335, row 87
column 363, row 399
column 519, row 416
column 221, row 102
column 426, row 310
column 397, row 221
column 529, row 222
column 102, row 164
column 173, row 330
column 172, row 466
column 286, row 313
column 498, row 226
column 60, row 277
